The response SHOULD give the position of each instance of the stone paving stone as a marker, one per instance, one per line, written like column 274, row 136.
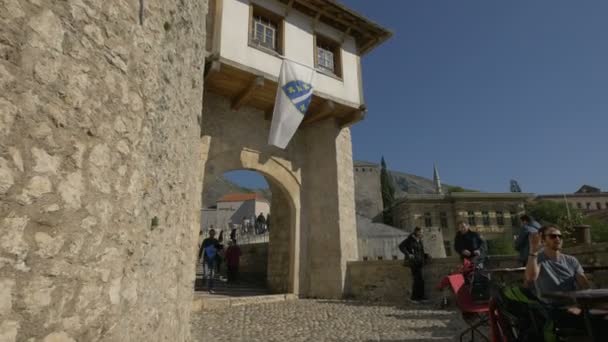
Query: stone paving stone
column 326, row 320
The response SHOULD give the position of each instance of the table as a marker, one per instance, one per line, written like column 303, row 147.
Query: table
column 587, row 299
column 508, row 272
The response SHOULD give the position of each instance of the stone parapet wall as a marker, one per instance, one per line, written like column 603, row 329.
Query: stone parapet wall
column 100, row 168
column 391, row 281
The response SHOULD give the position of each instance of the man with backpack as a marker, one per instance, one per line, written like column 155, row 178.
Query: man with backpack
column 208, row 251
column 415, row 256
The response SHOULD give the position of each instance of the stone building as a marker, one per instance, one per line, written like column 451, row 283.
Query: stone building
column 587, row 198
column 378, row 241
column 112, row 114
column 232, row 208
column 493, row 215
column 368, row 192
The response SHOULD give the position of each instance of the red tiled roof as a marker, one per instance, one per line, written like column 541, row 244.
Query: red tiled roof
column 242, row 197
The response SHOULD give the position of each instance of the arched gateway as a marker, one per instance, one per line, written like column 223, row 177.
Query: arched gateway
column 105, row 144
column 313, row 224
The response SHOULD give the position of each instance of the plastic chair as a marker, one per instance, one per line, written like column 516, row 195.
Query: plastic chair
column 475, row 314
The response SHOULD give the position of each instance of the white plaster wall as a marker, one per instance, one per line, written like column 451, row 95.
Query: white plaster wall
column 298, row 47
column 208, row 218
column 262, row 207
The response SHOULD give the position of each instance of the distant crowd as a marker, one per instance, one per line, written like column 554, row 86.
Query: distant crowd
column 213, row 253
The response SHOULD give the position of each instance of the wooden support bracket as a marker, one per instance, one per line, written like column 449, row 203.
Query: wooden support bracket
column 243, row 97
column 268, row 113
column 289, row 7
column 352, row 117
column 212, row 68
column 326, row 110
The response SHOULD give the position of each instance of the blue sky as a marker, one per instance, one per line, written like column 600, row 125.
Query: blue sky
column 489, row 90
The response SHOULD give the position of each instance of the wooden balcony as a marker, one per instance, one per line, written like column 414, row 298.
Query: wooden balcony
column 246, row 86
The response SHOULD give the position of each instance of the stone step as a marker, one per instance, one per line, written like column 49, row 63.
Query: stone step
column 204, row 301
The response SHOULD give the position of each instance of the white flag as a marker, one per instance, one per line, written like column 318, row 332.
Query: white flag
column 293, row 98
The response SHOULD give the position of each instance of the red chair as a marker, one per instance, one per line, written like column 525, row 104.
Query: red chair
column 496, row 327
column 475, row 314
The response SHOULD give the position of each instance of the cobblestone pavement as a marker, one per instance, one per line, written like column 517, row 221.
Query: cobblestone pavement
column 323, row 320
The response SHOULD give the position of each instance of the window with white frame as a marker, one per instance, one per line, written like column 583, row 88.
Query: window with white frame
column 264, row 32
column 327, row 54
column 325, row 58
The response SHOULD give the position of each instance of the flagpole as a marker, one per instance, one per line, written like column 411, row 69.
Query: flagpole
column 291, row 60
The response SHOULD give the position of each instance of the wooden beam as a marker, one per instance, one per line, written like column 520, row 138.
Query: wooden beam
column 268, row 113
column 289, row 7
column 341, row 21
column 326, row 110
column 212, row 68
column 367, row 46
column 243, row 97
column 352, row 117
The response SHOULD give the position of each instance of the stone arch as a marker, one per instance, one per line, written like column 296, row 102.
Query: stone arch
column 283, row 254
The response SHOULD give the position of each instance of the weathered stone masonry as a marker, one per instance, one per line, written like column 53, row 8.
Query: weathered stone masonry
column 99, row 134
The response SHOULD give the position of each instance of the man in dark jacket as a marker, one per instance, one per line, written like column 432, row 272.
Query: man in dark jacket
column 413, row 249
column 469, row 244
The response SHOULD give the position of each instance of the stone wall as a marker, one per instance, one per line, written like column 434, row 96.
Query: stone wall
column 254, row 262
column 391, row 281
column 330, row 238
column 100, row 168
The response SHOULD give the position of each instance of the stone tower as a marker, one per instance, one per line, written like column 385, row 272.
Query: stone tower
column 368, row 189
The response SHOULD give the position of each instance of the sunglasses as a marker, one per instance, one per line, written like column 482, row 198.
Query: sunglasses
column 555, row 236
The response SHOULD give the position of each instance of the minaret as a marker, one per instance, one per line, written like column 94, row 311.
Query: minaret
column 436, row 180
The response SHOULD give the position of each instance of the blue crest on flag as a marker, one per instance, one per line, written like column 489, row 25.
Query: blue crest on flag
column 300, row 94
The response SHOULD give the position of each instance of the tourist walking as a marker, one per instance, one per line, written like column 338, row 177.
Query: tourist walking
column 209, row 249
column 260, row 224
column 220, row 253
column 245, row 225
column 233, row 255
column 268, row 222
column 415, row 256
column 522, row 242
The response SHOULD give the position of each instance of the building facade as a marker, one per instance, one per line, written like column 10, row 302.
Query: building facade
column 312, row 178
column 231, row 209
column 587, row 199
column 493, row 215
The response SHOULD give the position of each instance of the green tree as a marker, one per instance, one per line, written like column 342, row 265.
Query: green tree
column 599, row 229
column 549, row 212
column 501, row 246
column 388, row 193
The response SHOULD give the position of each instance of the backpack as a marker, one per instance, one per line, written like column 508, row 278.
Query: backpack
column 480, row 286
column 210, row 251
